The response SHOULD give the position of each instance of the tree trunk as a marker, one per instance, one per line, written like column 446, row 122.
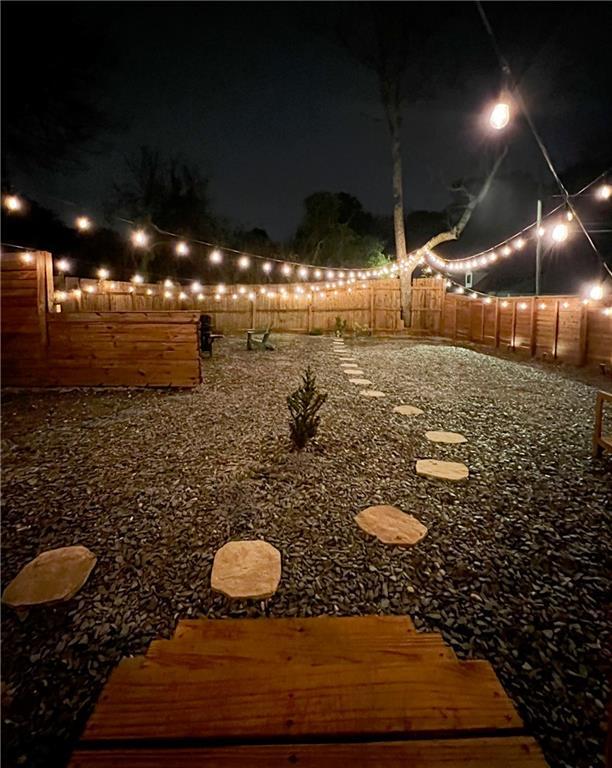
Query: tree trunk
column 405, row 275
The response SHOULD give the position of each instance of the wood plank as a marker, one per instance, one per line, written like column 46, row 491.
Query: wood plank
column 144, row 699
column 504, row 752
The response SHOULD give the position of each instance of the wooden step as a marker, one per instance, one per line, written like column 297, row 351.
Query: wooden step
column 317, row 641
column 504, row 752
column 144, row 699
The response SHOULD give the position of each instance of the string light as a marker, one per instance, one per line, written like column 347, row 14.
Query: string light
column 103, row 273
column 286, row 269
column 252, row 296
column 242, row 289
column 168, row 294
column 196, row 287
column 63, row 265
column 596, row 292
column 140, row 238
column 216, row 257
column 500, row 116
column 560, row 233
column 83, row 223
column 139, row 279
column 13, row 203
column 76, row 293
column 303, row 273
column 182, row 249
column 317, row 274
column 267, row 267
column 542, row 305
column 504, row 304
column 522, row 305
column 90, row 289
column 168, row 283
column 182, row 295
column 604, row 192
column 149, row 292
column 221, row 288
column 200, row 297
column 27, row 257
column 519, row 244
column 244, row 262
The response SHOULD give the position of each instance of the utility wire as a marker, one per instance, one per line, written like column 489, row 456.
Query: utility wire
column 507, row 72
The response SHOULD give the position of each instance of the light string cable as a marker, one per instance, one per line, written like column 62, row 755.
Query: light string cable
column 444, row 263
column 506, row 71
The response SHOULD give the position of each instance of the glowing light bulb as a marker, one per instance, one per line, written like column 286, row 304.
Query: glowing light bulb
column 137, row 279
column 303, row 273
column 83, row 223
column 234, row 296
column 506, row 251
column 329, row 274
column 569, row 216
column 500, row 116
column 317, row 274
column 560, row 233
column 565, row 305
column 182, row 249
column 286, row 269
column 140, row 238
column 460, row 289
column 604, row 192
column 12, row 203
column 149, row 292
column 242, row 289
column 167, row 294
column 221, row 288
column 216, row 257
column 61, row 296
column 252, row 296
column 504, row 304
column 542, row 305
column 63, row 265
column 103, row 273
column 596, row 292
column 267, row 267
column 541, row 232
column 168, row 283
column 196, row 287
column 76, row 293
column 488, row 300
column 182, row 295
column 244, row 262
column 200, row 297
column 522, row 305
column 90, row 289
column 27, row 257
column 519, row 243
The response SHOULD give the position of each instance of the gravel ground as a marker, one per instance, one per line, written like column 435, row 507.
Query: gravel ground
column 513, row 569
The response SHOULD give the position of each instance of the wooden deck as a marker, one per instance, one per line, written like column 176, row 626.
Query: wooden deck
column 312, row 692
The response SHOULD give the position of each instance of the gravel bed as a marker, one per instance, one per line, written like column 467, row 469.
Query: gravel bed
column 513, row 569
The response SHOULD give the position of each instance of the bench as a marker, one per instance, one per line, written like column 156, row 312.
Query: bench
column 601, row 442
column 258, row 339
column 207, row 337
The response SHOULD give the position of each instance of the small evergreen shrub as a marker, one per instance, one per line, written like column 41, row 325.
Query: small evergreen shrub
column 304, row 405
column 340, row 326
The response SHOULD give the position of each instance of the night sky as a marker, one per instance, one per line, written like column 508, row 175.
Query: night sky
column 272, row 109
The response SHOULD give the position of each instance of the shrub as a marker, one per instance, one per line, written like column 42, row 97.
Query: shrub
column 316, row 332
column 304, row 405
column 340, row 326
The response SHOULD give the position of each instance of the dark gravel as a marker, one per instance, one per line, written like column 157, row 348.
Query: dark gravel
column 513, row 569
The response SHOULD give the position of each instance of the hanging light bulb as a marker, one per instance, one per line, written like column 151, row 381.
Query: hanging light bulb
column 90, row 289
column 560, row 233
column 83, row 223
column 216, row 257
column 303, row 273
column 221, row 288
column 140, row 238
column 137, row 279
column 149, row 292
column 103, row 273
column 500, row 116
column 317, row 274
column 519, row 243
column 244, row 262
column 242, row 289
column 182, row 295
column 329, row 274
column 196, row 287
column 13, row 203
column 168, row 283
column 596, row 292
column 569, row 216
column 63, row 265
column 252, row 296
column 506, row 250
column 181, row 249
column 267, row 267
column 167, row 294
column 26, row 257
column 604, row 192
column 286, row 270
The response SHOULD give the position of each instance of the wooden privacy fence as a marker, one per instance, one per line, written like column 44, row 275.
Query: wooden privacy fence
column 562, row 328
column 374, row 304
column 41, row 348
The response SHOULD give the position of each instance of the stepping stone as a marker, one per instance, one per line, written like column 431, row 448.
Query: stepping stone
column 54, row 576
column 390, row 525
column 354, row 372
column 246, row 570
column 407, row 410
column 442, row 470
column 347, row 365
column 363, row 382
column 445, row 437
column 348, row 359
column 372, row 393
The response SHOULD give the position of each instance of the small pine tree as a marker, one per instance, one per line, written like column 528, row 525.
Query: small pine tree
column 304, row 405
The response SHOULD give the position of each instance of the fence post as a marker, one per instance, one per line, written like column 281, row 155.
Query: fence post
column 482, row 321
column 253, row 312
column 455, row 320
column 513, row 331
column 372, row 313
column 496, row 330
column 310, row 314
column 583, row 335
column 555, row 330
column 533, row 328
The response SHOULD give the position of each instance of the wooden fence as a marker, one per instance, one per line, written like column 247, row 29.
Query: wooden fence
column 374, row 304
column 43, row 348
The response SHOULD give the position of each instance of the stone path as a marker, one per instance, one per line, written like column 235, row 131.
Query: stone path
column 246, row 570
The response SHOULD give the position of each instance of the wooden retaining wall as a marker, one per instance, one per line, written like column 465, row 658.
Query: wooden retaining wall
column 42, row 348
column 374, row 304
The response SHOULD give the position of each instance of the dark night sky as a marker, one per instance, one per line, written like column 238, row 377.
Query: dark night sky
column 272, row 110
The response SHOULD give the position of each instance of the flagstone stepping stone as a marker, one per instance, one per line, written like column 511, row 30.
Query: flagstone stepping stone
column 363, row 382
column 347, row 365
column 54, row 576
column 390, row 525
column 372, row 393
column 246, row 570
column 442, row 470
column 407, row 410
column 445, row 437
column 354, row 372
column 348, row 359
